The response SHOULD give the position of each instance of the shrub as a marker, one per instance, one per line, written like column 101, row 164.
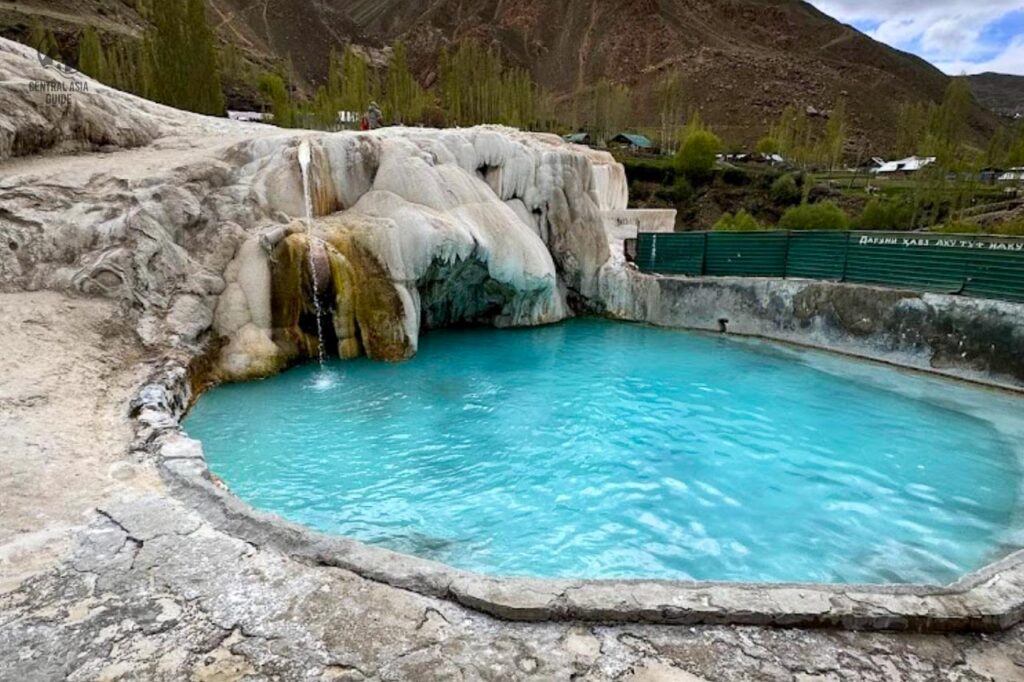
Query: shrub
column 884, row 215
column 736, row 177
column 767, row 145
column 785, row 191
column 696, row 156
column 768, row 178
column 434, row 117
column 1014, row 226
column 682, row 191
column 958, row 227
column 823, row 216
column 741, row 222
column 661, row 171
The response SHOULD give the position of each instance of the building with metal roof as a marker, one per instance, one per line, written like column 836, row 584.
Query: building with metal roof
column 632, row 140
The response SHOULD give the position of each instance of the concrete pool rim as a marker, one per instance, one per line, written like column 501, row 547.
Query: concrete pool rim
column 986, row 600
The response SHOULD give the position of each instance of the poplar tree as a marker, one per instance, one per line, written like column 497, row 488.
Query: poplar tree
column 1015, row 152
column 998, row 147
column 273, row 87
column 834, row 142
column 91, row 59
column 351, row 85
column 181, row 54
column 912, row 124
column 475, row 87
column 404, row 99
column 669, row 94
column 947, row 127
column 43, row 40
column 606, row 108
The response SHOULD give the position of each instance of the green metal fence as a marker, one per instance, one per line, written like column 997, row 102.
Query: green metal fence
column 983, row 266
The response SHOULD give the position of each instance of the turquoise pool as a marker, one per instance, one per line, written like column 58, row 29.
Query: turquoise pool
column 595, row 449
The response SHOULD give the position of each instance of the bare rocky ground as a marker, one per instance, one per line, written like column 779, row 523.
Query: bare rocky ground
column 105, row 576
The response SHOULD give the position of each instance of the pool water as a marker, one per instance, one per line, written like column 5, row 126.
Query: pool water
column 595, row 449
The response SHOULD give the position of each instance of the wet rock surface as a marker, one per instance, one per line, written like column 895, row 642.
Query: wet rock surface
column 152, row 591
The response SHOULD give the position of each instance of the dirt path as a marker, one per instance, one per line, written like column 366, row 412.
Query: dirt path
column 77, row 18
column 65, row 379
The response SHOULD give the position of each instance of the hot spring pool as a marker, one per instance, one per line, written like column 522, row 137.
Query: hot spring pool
column 596, row 449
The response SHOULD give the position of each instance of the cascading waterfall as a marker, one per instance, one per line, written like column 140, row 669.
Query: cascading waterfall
column 305, row 161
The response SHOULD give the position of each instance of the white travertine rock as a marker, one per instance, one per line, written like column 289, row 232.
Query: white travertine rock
column 486, row 225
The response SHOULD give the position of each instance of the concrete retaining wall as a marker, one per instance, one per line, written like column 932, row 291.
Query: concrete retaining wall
column 974, row 339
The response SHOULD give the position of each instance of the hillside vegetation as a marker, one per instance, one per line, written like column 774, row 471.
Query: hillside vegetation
column 599, row 63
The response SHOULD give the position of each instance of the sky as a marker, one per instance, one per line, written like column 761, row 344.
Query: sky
column 958, row 36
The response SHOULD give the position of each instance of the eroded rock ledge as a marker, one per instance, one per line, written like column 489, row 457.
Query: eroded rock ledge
column 197, row 224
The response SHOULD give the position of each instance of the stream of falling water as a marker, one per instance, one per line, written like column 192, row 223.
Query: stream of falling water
column 305, row 160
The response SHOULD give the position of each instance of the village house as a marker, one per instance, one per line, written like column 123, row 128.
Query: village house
column 632, row 141
column 907, row 166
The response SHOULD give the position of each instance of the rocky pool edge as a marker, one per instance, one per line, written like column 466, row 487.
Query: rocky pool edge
column 986, row 600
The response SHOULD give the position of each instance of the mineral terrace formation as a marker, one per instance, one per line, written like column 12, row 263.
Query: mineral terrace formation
column 194, row 223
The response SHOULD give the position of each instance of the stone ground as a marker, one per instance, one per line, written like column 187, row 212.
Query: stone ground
column 104, row 576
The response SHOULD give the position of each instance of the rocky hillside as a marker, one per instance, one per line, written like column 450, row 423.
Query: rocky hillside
column 999, row 92
column 742, row 61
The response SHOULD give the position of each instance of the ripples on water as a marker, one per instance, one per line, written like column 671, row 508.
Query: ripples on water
column 597, row 449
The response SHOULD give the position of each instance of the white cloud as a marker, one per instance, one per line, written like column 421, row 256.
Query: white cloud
column 949, row 33
column 1011, row 60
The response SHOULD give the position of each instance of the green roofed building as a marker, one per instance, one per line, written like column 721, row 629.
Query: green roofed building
column 579, row 138
column 633, row 141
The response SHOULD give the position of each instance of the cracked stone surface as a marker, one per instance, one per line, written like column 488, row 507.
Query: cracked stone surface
column 138, row 586
column 184, row 601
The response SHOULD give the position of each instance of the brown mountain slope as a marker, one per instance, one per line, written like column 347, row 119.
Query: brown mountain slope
column 743, row 61
column 1000, row 92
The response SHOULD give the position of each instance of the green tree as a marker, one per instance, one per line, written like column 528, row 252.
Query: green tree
column 767, row 145
column 203, row 64
column 795, row 136
column 91, row 59
column 182, row 56
column 668, row 92
column 741, row 222
column 998, row 148
column 822, row 216
column 43, row 40
column 697, row 151
column 404, row 99
column 946, row 136
column 1015, row 148
column 605, row 109
column 884, row 215
column 835, row 136
column 351, row 84
column 911, row 128
column 785, row 191
column 273, row 88
column 475, row 87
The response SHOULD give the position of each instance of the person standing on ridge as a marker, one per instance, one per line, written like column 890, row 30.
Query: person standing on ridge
column 374, row 116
